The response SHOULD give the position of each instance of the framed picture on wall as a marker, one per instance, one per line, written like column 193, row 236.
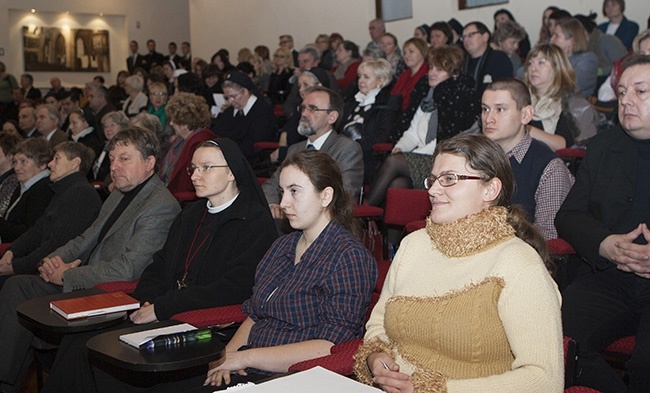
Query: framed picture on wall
column 65, row 50
column 465, row 4
column 390, row 10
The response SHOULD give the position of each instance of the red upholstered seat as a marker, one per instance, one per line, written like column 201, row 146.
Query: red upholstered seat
column 277, row 111
column 382, row 147
column 118, row 286
column 580, row 389
column 4, row 247
column 212, row 316
column 265, row 145
column 366, row 211
column 623, row 345
column 415, row 225
column 406, row 205
column 560, row 247
column 571, row 153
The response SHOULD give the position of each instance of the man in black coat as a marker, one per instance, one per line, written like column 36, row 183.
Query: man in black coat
column 136, row 60
column 605, row 218
column 73, row 208
column 484, row 64
column 153, row 58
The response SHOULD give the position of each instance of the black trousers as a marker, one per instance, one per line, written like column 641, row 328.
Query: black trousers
column 15, row 339
column 597, row 310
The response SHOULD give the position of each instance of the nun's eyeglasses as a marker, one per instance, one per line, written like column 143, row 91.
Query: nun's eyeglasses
column 202, row 168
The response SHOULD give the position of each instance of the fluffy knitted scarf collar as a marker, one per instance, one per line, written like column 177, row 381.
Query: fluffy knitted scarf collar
column 472, row 234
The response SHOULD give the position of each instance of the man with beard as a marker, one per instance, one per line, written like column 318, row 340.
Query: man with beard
column 321, row 113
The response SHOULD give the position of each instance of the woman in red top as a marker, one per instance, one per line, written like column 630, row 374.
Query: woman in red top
column 415, row 52
column 347, row 63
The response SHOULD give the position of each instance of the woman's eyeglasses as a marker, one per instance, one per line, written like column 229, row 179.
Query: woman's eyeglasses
column 447, row 179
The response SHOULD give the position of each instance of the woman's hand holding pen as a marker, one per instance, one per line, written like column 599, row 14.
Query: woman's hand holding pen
column 386, row 374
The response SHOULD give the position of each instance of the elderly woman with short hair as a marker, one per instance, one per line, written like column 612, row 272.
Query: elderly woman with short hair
column 136, row 101
column 30, row 159
column 370, row 118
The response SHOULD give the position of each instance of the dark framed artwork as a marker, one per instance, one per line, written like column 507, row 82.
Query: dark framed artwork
column 66, row 50
column 465, row 4
column 390, row 10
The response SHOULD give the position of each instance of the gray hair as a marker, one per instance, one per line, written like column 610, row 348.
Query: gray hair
column 118, row 117
column 135, row 81
column 314, row 52
column 52, row 112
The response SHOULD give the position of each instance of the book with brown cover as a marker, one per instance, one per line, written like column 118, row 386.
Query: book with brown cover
column 86, row 306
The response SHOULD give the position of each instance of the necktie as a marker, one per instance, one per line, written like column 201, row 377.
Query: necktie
column 311, row 147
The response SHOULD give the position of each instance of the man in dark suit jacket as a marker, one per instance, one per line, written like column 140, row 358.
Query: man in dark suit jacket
column 321, row 114
column 186, row 49
column 153, row 58
column 99, row 105
column 605, row 218
column 47, row 124
column 132, row 225
column 173, row 57
column 135, row 60
column 27, row 84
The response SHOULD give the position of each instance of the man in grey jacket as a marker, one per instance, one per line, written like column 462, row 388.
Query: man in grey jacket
column 321, row 112
column 132, row 225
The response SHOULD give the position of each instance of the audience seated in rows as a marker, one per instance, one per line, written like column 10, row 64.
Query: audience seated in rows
column 450, row 106
column 225, row 234
column 73, row 207
column 130, row 228
column 312, row 288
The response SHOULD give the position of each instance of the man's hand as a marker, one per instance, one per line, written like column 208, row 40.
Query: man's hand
column 276, row 211
column 52, row 269
column 6, row 268
column 628, row 256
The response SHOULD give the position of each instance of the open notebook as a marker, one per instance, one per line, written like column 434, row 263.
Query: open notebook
column 314, row 380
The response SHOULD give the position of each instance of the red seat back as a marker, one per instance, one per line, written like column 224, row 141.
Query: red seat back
column 406, row 205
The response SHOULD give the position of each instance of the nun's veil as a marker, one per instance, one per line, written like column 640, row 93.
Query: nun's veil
column 246, row 179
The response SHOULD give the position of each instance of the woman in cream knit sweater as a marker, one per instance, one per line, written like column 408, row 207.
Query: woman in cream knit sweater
column 468, row 304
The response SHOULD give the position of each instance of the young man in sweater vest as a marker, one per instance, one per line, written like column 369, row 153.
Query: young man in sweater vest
column 542, row 179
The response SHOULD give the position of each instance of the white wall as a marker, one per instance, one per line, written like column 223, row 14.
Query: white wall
column 162, row 20
column 234, row 24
